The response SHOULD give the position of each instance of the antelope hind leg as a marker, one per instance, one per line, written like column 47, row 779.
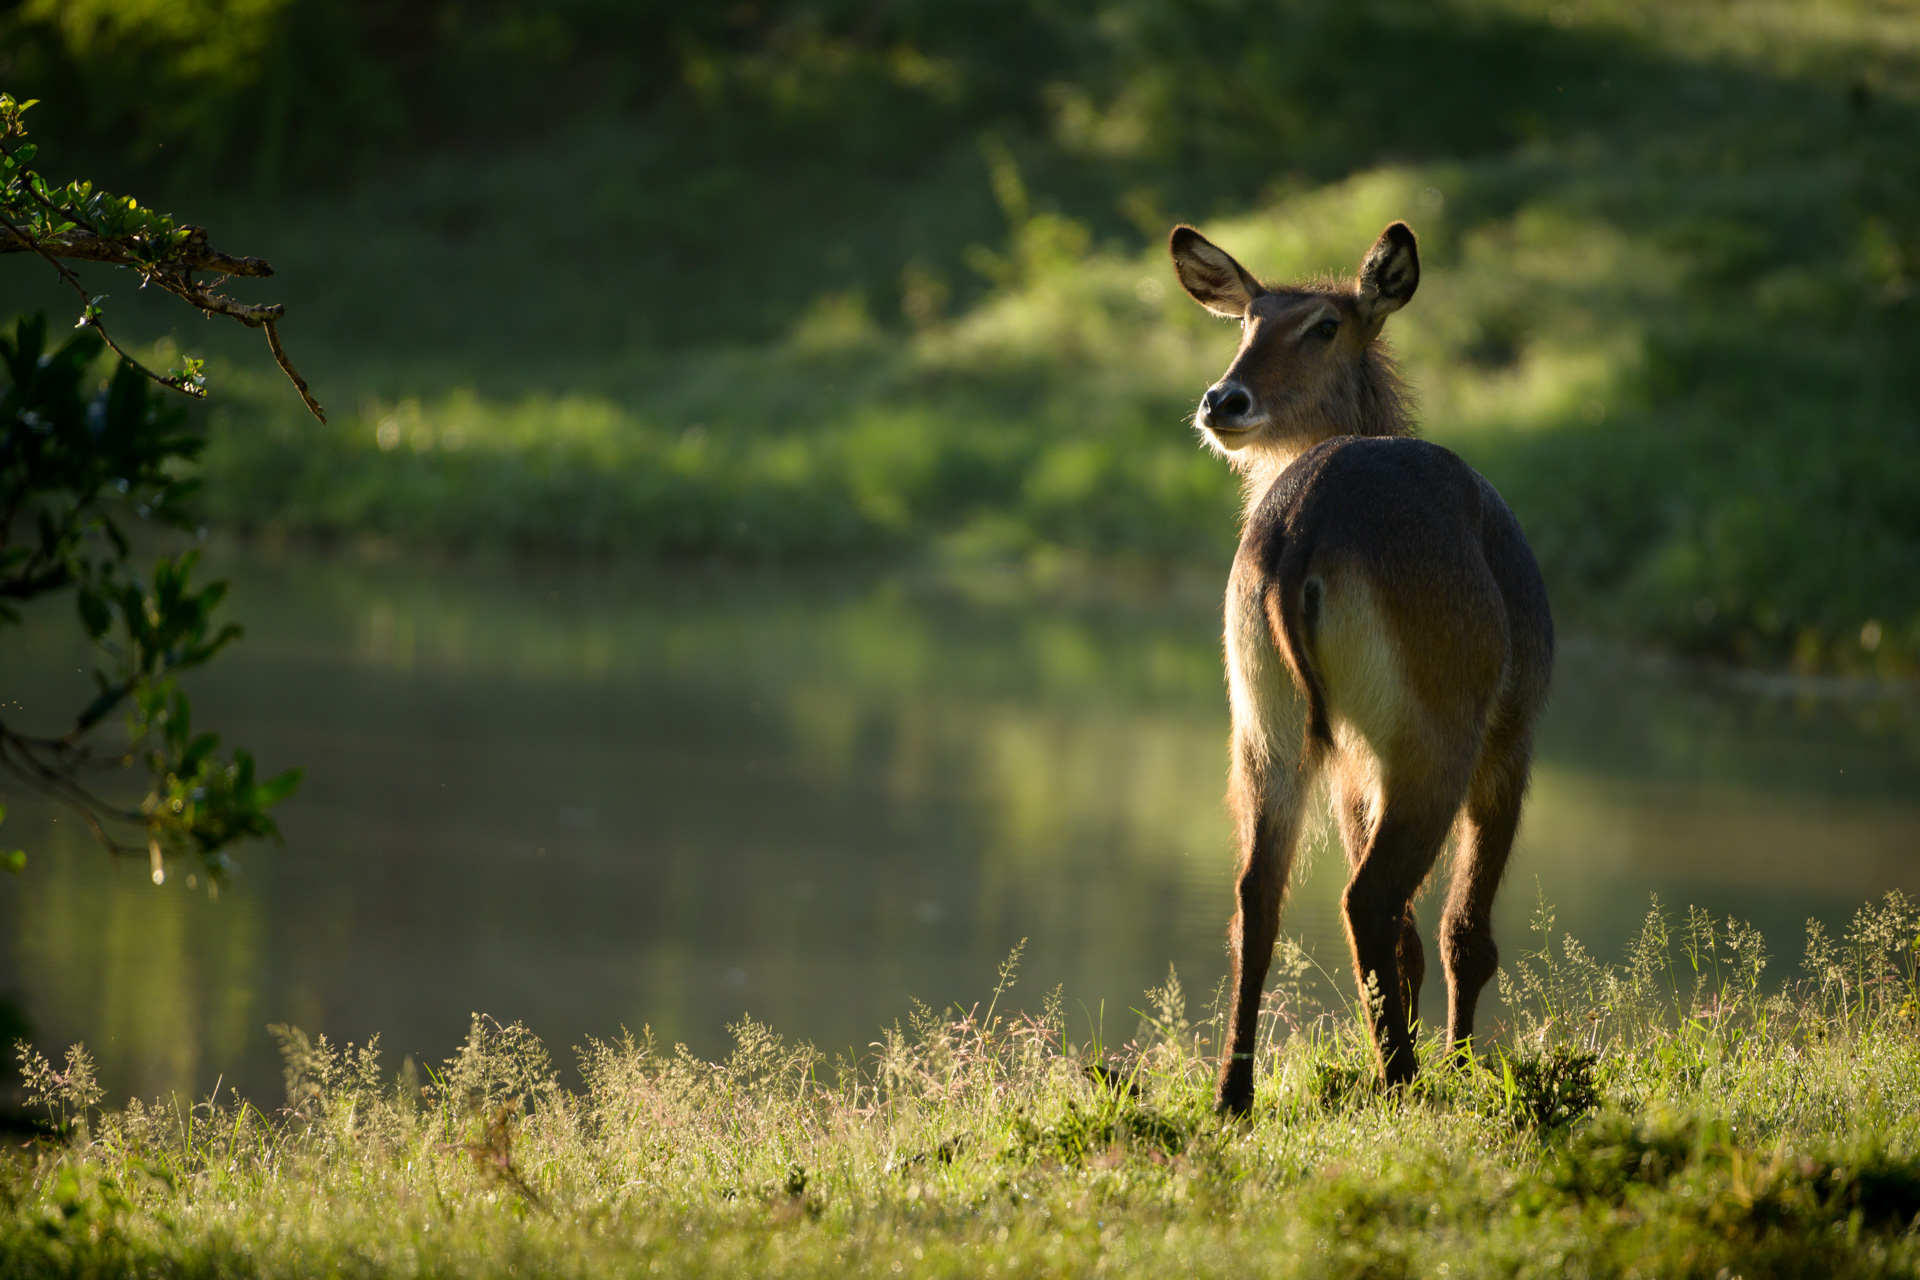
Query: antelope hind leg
column 1378, row 918
column 1353, row 807
column 1466, row 927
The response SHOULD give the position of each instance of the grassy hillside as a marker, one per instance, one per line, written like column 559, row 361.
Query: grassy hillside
column 1668, row 1117
column 878, row 283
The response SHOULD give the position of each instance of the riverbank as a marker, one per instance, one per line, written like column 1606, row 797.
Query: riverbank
column 1732, row 489
column 1675, row 1115
column 821, row 289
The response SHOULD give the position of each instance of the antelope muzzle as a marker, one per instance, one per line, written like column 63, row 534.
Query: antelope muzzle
column 1228, row 412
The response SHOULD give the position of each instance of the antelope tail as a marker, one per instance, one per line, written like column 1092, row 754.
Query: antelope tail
column 1293, row 611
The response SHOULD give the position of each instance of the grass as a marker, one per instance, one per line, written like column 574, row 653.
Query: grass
column 1675, row 1115
column 907, row 300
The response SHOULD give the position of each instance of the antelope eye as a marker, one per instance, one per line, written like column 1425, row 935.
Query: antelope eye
column 1327, row 328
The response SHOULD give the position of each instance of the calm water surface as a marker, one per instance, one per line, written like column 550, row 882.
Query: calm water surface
column 589, row 800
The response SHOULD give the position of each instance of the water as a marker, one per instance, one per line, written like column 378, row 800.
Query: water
column 594, row 799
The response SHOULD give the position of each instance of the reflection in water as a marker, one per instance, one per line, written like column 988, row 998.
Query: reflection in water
column 588, row 800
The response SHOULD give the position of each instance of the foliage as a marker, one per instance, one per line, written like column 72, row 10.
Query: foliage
column 824, row 279
column 72, row 465
column 1737, row 1131
column 44, row 212
column 76, row 221
column 898, row 291
column 290, row 89
column 80, row 469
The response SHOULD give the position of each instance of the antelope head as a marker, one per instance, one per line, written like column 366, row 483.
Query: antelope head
column 1308, row 368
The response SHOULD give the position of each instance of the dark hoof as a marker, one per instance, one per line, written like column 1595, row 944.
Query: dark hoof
column 1398, row 1070
column 1235, row 1094
column 1234, row 1107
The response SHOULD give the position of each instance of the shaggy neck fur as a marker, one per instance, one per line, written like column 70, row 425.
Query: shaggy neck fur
column 1370, row 401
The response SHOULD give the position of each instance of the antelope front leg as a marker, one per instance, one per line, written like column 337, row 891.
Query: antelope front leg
column 1267, row 818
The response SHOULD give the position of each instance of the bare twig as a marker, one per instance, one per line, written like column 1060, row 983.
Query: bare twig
column 286, row 367
column 180, row 282
column 18, row 757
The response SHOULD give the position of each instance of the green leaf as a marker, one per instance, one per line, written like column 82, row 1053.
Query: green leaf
column 94, row 613
column 276, row 789
column 197, row 751
column 14, row 860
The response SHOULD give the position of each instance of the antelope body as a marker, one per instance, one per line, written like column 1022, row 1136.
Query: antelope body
column 1386, row 626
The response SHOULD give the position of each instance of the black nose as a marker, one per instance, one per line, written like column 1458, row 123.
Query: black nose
column 1228, row 401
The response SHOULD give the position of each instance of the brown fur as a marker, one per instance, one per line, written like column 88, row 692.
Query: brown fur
column 1386, row 627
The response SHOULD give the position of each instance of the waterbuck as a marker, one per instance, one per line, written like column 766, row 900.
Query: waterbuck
column 1385, row 625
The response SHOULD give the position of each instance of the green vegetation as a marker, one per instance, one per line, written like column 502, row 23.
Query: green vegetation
column 801, row 281
column 1671, row 1116
column 79, row 468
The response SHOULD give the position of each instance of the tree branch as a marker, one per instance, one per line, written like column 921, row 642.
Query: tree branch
column 171, row 267
column 82, row 245
column 18, row 757
column 90, row 315
column 286, row 367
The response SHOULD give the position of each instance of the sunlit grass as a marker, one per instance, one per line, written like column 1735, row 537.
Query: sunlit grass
column 1678, row 1114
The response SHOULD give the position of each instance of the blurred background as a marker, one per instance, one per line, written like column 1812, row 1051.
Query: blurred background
column 758, row 558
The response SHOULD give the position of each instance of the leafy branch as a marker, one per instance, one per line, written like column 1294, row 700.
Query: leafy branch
column 82, row 458
column 76, row 222
column 73, row 467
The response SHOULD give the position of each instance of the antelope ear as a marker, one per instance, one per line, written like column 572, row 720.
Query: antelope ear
column 1390, row 272
column 1210, row 274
